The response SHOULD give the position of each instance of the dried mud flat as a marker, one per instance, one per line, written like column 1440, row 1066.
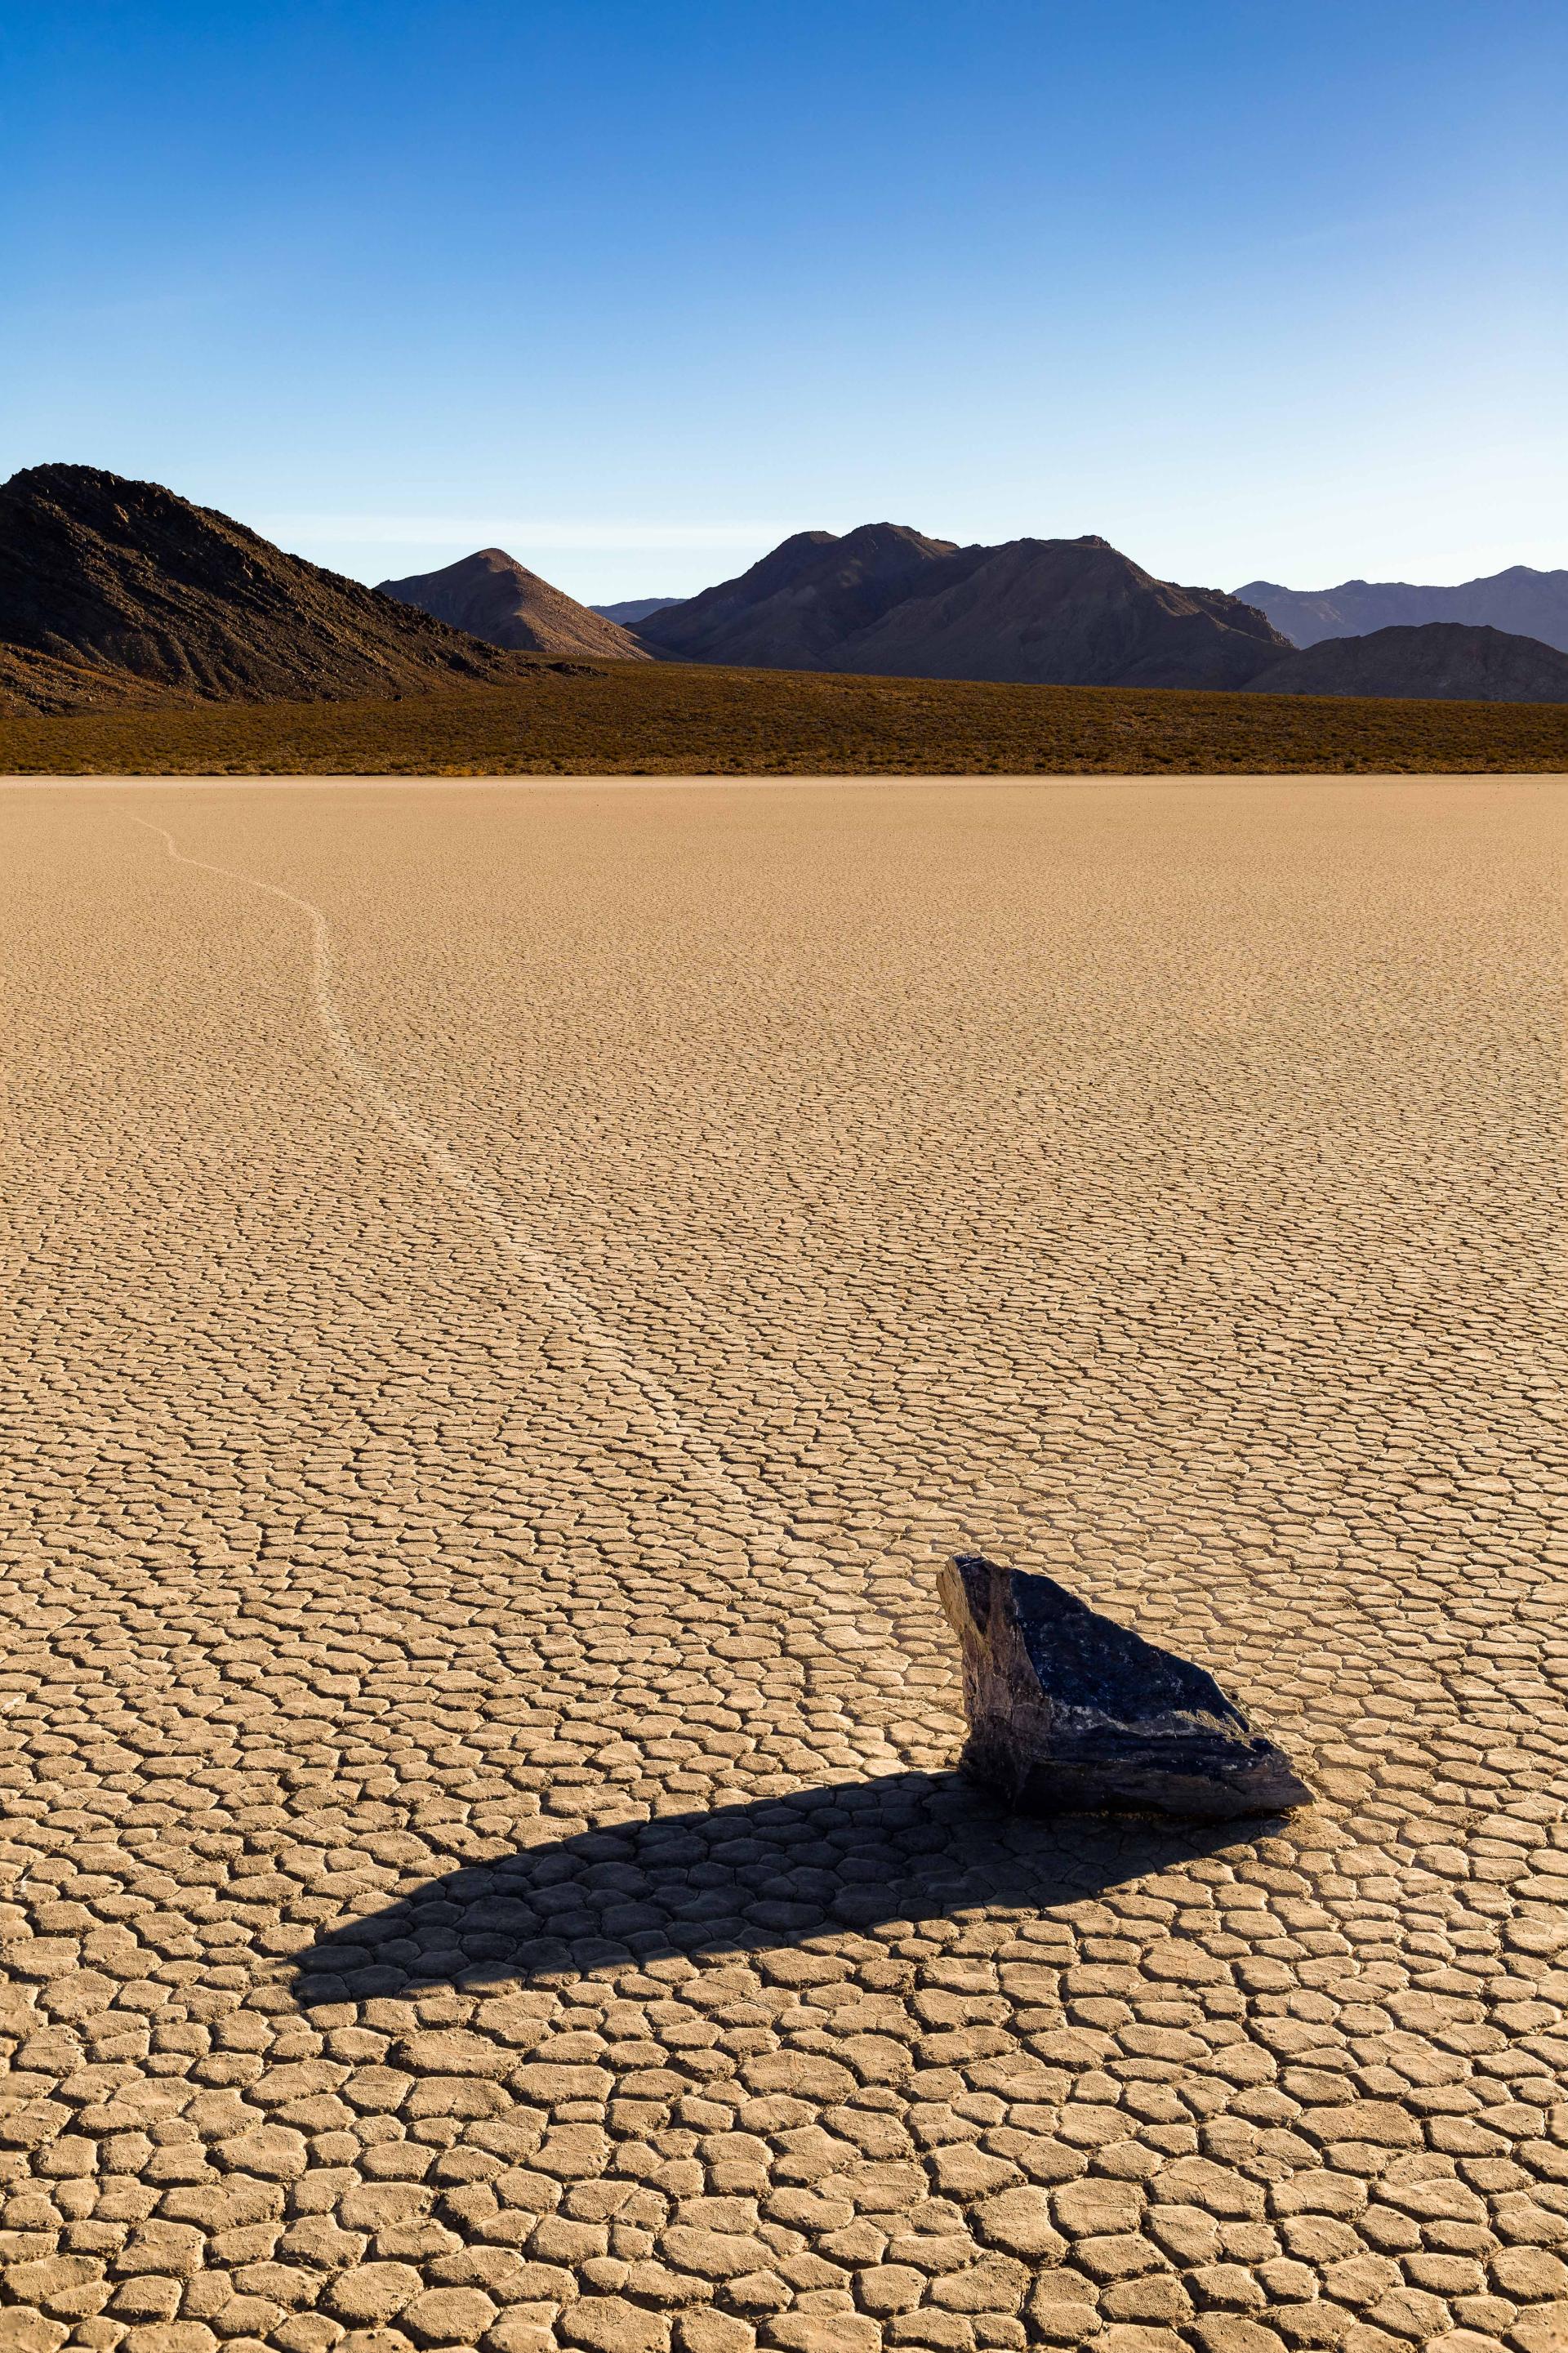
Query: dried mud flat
column 493, row 1364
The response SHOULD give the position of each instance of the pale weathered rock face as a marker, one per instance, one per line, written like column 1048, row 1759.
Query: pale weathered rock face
column 1069, row 1711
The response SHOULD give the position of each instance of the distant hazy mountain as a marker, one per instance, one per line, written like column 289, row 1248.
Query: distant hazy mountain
column 1528, row 604
column 635, row 608
column 1447, row 661
column 114, row 591
column 494, row 597
column 885, row 599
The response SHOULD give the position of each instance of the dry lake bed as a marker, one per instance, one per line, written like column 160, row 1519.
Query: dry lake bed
column 515, row 1290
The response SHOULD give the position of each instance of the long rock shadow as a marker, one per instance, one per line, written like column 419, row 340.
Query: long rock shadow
column 910, row 1847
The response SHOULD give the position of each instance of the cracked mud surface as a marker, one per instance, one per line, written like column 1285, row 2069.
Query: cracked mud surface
column 481, row 1865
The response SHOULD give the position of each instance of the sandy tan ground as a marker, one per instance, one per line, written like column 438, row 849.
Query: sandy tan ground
column 493, row 1364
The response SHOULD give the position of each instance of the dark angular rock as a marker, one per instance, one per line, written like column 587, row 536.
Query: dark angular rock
column 1071, row 1712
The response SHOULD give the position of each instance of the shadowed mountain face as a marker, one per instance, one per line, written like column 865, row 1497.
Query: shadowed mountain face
column 1064, row 612
column 1442, row 662
column 1528, row 604
column 746, row 1878
column 884, row 601
column 801, row 605
column 494, row 597
column 114, row 591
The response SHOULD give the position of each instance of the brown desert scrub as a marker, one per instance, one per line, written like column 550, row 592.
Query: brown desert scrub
column 667, row 718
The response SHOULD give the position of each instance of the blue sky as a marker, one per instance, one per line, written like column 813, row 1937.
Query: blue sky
column 634, row 290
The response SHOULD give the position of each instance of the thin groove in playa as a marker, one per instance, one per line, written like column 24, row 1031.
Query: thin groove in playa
column 542, row 1268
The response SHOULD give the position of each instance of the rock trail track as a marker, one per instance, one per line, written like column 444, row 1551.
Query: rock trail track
column 513, row 1290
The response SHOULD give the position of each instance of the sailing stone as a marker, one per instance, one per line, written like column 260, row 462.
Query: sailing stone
column 1071, row 1712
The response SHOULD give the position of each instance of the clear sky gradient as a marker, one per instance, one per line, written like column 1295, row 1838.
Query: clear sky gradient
column 634, row 290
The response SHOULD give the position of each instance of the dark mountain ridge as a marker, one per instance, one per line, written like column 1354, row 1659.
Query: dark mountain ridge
column 1524, row 602
column 1063, row 612
column 801, row 602
column 112, row 590
column 1440, row 661
column 885, row 600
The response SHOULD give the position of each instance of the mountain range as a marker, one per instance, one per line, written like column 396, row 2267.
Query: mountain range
column 887, row 600
column 1525, row 603
column 119, row 593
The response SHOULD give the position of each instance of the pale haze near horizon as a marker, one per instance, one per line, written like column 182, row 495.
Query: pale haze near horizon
column 634, row 295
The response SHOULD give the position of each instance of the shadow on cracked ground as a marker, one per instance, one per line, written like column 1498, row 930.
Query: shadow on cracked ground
column 775, row 1872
